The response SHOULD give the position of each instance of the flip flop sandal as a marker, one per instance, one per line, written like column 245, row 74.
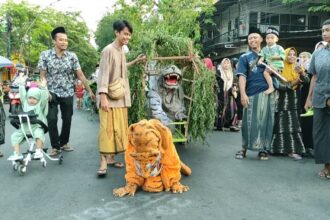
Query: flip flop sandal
column 295, row 156
column 240, row 154
column 324, row 174
column 54, row 152
column 233, row 128
column 116, row 164
column 67, row 148
column 102, row 173
column 263, row 155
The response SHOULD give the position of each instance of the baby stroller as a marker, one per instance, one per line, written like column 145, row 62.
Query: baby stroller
column 30, row 118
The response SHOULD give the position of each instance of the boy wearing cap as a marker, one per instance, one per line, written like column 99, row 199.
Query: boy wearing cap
column 273, row 54
column 35, row 100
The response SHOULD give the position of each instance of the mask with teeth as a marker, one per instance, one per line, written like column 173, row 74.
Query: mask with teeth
column 171, row 77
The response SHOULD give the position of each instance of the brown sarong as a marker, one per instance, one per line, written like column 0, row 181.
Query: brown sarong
column 113, row 130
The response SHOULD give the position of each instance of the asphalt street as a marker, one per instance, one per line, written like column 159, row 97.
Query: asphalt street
column 221, row 187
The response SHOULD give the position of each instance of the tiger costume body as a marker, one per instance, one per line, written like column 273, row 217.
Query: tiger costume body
column 152, row 161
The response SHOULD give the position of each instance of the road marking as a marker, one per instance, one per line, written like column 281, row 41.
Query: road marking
column 119, row 209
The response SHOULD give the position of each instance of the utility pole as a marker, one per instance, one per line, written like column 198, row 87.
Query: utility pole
column 9, row 28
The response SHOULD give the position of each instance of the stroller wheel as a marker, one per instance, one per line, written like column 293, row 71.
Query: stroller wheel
column 44, row 163
column 15, row 166
column 60, row 160
column 21, row 170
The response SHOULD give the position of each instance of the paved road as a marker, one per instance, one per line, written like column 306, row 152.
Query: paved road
column 221, row 186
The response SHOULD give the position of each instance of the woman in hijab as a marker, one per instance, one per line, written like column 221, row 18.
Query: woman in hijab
column 287, row 136
column 227, row 93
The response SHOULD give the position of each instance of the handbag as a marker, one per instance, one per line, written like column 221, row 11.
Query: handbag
column 116, row 89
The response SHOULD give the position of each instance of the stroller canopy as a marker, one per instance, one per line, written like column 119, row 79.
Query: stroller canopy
column 4, row 62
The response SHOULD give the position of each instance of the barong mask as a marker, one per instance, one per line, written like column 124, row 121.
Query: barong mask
column 171, row 77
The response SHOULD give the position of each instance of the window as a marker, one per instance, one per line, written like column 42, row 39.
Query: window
column 298, row 20
column 236, row 28
column 285, row 19
column 269, row 19
column 264, row 18
column 229, row 26
column 253, row 21
column 314, row 22
column 274, row 19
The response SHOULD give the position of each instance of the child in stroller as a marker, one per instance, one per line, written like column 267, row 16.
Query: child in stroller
column 34, row 101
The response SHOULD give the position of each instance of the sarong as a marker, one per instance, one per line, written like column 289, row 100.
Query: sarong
column 258, row 121
column 113, row 134
column 287, row 135
column 321, row 135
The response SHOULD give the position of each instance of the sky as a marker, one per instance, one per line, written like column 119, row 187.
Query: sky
column 91, row 11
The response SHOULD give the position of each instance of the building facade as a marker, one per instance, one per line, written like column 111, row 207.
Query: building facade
column 227, row 36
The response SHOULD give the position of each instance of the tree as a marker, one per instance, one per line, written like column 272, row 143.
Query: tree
column 173, row 17
column 165, row 28
column 31, row 27
column 318, row 6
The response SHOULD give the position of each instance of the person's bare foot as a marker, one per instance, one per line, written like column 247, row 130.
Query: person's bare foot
column 324, row 174
column 112, row 162
column 102, row 171
column 269, row 90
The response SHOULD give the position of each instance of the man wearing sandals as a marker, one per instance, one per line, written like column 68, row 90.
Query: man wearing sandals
column 319, row 98
column 113, row 134
column 258, row 113
column 60, row 68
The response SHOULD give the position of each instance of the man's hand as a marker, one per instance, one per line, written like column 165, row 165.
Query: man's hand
column 140, row 58
column 104, row 102
column 244, row 100
column 308, row 103
column 328, row 102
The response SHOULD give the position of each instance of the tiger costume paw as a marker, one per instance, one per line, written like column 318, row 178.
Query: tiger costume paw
column 128, row 190
column 179, row 188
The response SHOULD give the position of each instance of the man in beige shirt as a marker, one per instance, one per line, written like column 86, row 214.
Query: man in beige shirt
column 113, row 113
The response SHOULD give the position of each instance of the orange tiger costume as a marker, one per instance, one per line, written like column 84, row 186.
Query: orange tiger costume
column 151, row 160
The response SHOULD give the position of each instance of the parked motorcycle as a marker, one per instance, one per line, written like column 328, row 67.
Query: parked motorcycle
column 5, row 91
column 14, row 100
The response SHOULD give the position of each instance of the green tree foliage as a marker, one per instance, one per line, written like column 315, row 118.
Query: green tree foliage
column 31, row 27
column 318, row 6
column 165, row 28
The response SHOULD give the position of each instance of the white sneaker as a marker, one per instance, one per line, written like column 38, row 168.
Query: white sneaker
column 38, row 154
column 15, row 156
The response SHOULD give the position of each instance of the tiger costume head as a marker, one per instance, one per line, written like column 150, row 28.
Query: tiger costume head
column 146, row 137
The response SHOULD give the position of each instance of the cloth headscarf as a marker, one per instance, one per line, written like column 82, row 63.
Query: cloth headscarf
column 208, row 63
column 324, row 43
column 305, row 63
column 34, row 92
column 226, row 75
column 288, row 71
